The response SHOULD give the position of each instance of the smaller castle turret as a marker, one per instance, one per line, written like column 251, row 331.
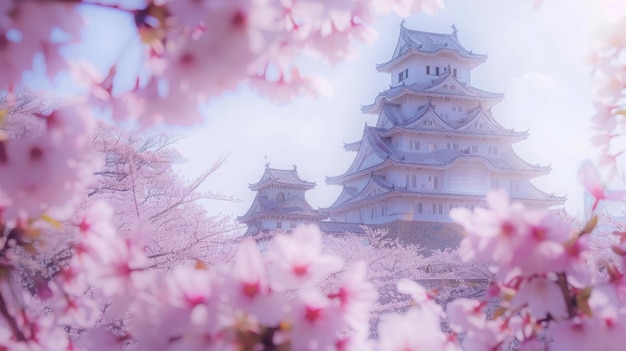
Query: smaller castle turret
column 280, row 202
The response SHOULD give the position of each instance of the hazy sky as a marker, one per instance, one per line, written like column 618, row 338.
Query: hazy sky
column 536, row 57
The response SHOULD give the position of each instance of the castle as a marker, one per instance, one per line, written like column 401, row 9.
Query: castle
column 436, row 145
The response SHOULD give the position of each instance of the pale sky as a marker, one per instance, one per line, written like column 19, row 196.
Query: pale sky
column 536, row 57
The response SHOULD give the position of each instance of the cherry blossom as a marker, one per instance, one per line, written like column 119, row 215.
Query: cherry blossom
column 58, row 154
column 513, row 237
column 591, row 180
column 111, row 293
column 20, row 40
column 542, row 296
column 297, row 259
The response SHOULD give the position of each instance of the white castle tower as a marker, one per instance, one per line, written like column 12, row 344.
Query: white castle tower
column 436, row 145
column 280, row 202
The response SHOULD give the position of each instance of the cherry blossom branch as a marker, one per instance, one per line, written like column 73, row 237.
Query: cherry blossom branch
column 15, row 329
column 562, row 282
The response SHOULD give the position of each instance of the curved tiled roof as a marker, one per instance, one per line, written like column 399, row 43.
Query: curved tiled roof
column 426, row 89
column 434, row 42
column 443, row 158
column 461, row 125
column 352, row 198
column 420, row 42
column 280, row 176
column 263, row 207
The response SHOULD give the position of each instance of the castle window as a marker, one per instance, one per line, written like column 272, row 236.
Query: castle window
column 454, row 72
column 436, row 71
column 292, row 225
column 419, row 207
column 407, row 180
column 279, row 225
column 281, row 197
column 414, row 181
column 428, row 70
column 417, row 145
column 474, row 148
column 440, row 208
column 433, row 182
column 403, row 75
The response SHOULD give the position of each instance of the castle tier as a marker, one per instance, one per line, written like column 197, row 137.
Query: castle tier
column 436, row 145
column 280, row 202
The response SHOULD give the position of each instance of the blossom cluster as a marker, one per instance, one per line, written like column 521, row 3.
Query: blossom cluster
column 192, row 49
column 108, row 295
column 550, row 297
column 609, row 78
column 263, row 300
column 547, row 296
column 47, row 173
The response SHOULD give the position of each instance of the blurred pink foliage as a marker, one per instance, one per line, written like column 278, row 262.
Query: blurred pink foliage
column 117, row 289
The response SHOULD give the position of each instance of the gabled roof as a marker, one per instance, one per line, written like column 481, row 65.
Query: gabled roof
column 434, row 88
column 414, row 42
column 387, row 155
column 288, row 178
column 476, row 122
column 296, row 208
column 447, row 83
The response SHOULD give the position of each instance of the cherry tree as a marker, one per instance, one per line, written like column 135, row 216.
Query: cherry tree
column 110, row 297
column 140, row 182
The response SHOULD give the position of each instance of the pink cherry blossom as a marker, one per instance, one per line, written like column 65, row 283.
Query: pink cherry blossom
column 542, row 296
column 297, row 259
column 20, row 39
column 591, row 180
column 58, row 154
column 467, row 316
column 315, row 322
column 513, row 237
column 356, row 297
column 417, row 329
